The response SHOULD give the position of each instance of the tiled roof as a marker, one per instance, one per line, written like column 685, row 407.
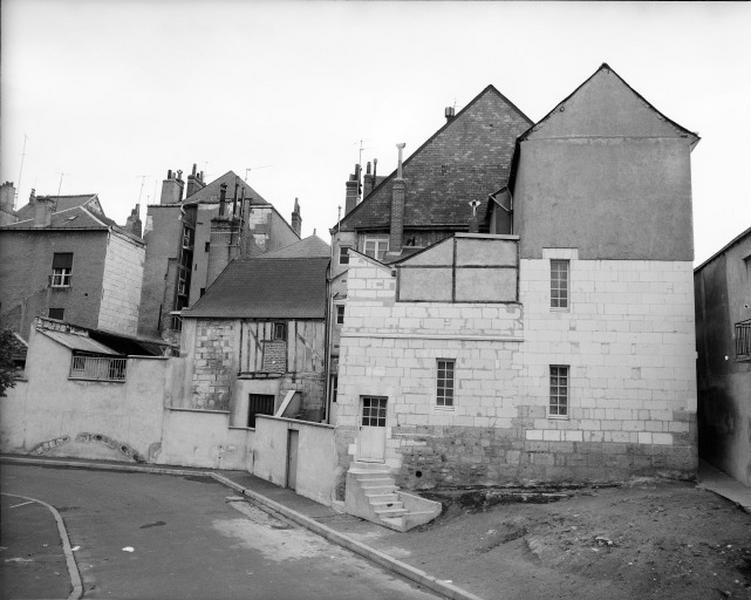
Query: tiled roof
column 310, row 247
column 271, row 288
column 467, row 159
column 60, row 203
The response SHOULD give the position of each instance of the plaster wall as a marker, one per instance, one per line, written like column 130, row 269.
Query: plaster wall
column 121, row 285
column 630, row 198
column 316, row 456
column 203, row 438
column 51, row 414
column 26, row 268
column 723, row 293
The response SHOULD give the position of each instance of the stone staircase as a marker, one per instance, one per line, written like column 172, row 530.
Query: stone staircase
column 372, row 495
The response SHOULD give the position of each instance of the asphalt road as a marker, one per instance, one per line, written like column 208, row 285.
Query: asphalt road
column 161, row 536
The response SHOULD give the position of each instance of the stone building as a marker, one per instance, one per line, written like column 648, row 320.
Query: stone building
column 723, row 341
column 193, row 234
column 428, row 197
column 557, row 343
column 257, row 337
column 63, row 258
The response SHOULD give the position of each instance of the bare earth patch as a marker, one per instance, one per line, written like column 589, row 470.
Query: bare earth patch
column 645, row 540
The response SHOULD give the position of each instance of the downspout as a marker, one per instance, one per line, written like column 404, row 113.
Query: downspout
column 327, row 344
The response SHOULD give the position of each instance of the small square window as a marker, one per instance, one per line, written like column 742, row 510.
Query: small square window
column 559, row 276
column 344, row 255
column 340, row 314
column 56, row 313
column 280, row 331
column 376, row 247
column 445, row 382
column 558, row 406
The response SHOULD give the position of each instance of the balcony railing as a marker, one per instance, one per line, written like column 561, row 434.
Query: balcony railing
column 743, row 340
column 99, row 368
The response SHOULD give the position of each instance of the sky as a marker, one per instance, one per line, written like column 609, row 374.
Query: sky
column 107, row 96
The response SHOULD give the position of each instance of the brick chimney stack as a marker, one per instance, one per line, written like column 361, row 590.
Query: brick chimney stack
column 133, row 222
column 368, row 180
column 296, row 218
column 43, row 207
column 172, row 188
column 7, row 203
column 353, row 191
column 195, row 182
column 398, row 192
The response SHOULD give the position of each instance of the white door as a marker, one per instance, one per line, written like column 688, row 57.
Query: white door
column 371, row 441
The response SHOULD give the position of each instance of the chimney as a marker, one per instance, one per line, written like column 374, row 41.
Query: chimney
column 353, row 191
column 296, row 218
column 133, row 222
column 172, row 188
column 222, row 198
column 449, row 113
column 398, row 192
column 7, row 202
column 368, row 181
column 42, row 209
column 195, row 182
column 474, row 221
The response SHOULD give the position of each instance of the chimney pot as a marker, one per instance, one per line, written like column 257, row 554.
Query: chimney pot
column 449, row 113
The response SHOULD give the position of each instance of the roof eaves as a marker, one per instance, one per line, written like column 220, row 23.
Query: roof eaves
column 488, row 88
column 724, row 249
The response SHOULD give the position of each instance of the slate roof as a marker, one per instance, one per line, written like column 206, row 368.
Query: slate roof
column 466, row 159
column 78, row 342
column 76, row 218
column 266, row 288
column 310, row 247
column 60, row 203
column 210, row 193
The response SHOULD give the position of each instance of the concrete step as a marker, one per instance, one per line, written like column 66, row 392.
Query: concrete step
column 386, row 504
column 391, row 512
column 365, row 481
column 379, row 496
column 396, row 523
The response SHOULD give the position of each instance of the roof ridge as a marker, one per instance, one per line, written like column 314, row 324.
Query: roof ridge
column 606, row 67
column 488, row 88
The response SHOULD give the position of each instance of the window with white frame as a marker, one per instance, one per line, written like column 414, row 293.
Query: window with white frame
column 559, row 277
column 344, row 255
column 445, row 382
column 340, row 314
column 375, row 247
column 62, row 269
column 558, row 405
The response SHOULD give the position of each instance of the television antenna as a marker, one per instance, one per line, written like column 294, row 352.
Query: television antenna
column 249, row 169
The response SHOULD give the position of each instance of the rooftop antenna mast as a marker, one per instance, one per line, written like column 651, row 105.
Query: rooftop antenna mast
column 60, row 184
column 140, row 192
column 249, row 169
column 20, row 171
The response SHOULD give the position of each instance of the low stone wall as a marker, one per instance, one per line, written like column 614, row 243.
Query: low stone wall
column 435, row 456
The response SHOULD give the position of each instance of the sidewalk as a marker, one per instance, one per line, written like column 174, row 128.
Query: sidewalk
column 714, row 480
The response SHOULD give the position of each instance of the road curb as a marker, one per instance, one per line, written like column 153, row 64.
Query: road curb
column 70, row 560
column 445, row 589
column 448, row 590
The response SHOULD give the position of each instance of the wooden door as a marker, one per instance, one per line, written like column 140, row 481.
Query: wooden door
column 371, row 442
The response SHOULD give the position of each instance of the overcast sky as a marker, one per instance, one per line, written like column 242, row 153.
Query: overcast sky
column 110, row 92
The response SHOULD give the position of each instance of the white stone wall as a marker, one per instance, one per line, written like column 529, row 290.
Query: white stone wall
column 121, row 285
column 628, row 336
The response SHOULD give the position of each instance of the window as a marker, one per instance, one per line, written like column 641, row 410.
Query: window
column 373, row 411
column 62, row 266
column 445, row 382
column 559, row 283
column 376, row 247
column 743, row 340
column 558, row 391
column 334, row 386
column 344, row 255
column 340, row 314
column 259, row 404
column 207, row 246
column 56, row 313
column 280, row 331
column 100, row 368
column 187, row 238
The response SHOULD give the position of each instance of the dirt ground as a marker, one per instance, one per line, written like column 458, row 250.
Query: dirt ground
column 648, row 539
